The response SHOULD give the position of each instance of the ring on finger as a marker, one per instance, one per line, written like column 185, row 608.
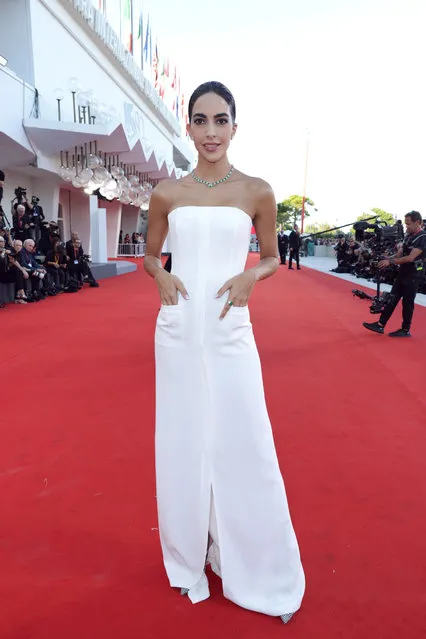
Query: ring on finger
column 230, row 303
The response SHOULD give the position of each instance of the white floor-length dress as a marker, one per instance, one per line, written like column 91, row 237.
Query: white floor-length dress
column 216, row 465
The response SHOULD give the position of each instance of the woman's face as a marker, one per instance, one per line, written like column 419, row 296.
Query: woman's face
column 211, row 127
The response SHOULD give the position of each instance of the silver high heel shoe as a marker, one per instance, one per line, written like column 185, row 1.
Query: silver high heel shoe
column 286, row 618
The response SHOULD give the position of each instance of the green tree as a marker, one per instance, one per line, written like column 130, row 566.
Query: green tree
column 383, row 215
column 289, row 211
column 320, row 227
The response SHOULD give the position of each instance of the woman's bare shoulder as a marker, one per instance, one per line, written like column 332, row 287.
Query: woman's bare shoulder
column 166, row 193
column 256, row 184
column 259, row 190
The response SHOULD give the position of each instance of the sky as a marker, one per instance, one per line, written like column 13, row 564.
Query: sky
column 349, row 72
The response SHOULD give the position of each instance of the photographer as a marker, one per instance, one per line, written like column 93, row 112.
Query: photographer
column 22, row 224
column 10, row 272
column 49, row 232
column 36, row 216
column 57, row 264
column 3, row 221
column 78, row 266
column 342, row 256
column 36, row 272
column 411, row 260
column 2, row 179
column 352, row 253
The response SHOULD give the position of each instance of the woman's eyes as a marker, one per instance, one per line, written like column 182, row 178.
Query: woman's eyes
column 221, row 121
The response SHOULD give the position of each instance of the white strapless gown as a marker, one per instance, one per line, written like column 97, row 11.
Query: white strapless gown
column 216, row 465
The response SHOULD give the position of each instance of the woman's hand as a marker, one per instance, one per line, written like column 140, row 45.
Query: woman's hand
column 168, row 286
column 240, row 288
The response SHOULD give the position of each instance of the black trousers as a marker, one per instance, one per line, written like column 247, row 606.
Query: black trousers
column 294, row 254
column 404, row 287
column 13, row 276
column 80, row 271
column 58, row 276
column 283, row 254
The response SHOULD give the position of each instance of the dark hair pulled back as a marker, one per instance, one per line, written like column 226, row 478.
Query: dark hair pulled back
column 213, row 87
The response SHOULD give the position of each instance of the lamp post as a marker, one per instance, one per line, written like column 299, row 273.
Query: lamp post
column 305, row 181
column 74, row 86
column 59, row 95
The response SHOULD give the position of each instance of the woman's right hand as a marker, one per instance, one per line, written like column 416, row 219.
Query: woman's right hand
column 168, row 286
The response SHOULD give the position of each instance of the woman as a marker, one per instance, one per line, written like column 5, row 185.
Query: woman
column 218, row 479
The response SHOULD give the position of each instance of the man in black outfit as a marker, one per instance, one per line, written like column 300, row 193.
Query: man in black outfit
column 2, row 178
column 77, row 265
column 21, row 223
column 294, row 245
column 411, row 260
column 282, row 246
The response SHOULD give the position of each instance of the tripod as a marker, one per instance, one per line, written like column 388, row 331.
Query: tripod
column 379, row 300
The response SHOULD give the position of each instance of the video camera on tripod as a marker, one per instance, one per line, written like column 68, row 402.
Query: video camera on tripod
column 380, row 238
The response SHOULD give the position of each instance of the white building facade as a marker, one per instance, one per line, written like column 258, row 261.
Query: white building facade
column 71, row 96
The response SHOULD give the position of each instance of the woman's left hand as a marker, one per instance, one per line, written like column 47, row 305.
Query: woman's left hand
column 240, row 288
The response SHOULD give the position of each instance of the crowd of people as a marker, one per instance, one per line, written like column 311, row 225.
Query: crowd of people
column 361, row 258
column 34, row 259
column 135, row 238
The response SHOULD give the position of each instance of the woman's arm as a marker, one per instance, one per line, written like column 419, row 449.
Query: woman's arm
column 241, row 286
column 265, row 223
column 168, row 285
column 157, row 231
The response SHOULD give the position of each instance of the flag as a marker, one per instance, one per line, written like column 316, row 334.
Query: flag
column 128, row 24
column 127, row 9
column 140, row 26
column 147, row 40
column 155, row 66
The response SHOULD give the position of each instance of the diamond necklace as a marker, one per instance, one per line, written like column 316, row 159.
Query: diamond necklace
column 211, row 184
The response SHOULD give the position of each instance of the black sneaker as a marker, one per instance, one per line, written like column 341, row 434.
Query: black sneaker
column 401, row 332
column 375, row 327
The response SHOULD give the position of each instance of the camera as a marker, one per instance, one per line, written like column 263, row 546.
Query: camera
column 20, row 193
column 379, row 239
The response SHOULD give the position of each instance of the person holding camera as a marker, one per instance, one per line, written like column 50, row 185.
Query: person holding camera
column 37, row 274
column 411, row 260
column 57, row 264
column 22, row 224
column 11, row 272
column 78, row 266
column 36, row 216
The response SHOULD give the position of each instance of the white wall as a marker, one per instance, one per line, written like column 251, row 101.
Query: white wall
column 113, row 219
column 129, row 219
column 75, row 205
column 93, row 68
column 15, row 37
column 12, row 181
column 16, row 104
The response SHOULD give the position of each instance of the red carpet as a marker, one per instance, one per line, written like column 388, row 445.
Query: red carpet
column 79, row 549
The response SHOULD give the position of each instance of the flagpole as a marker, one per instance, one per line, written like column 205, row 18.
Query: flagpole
column 131, row 28
column 305, row 180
